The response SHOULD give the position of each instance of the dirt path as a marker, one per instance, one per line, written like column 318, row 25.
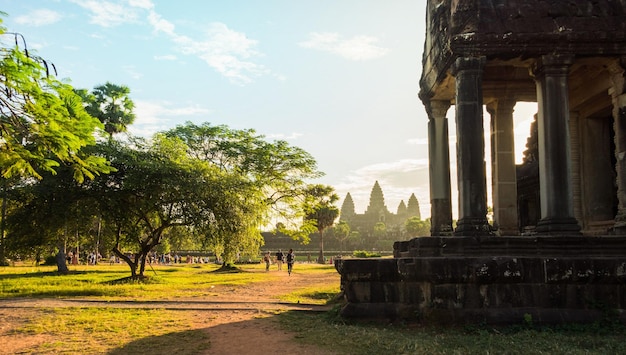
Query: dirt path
column 236, row 320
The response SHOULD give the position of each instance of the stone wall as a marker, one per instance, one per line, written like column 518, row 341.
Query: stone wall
column 490, row 280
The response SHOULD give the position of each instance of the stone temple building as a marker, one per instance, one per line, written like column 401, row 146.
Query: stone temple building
column 377, row 212
column 564, row 55
column 568, row 56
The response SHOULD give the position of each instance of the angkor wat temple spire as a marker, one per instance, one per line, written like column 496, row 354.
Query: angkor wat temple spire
column 377, row 201
column 413, row 208
column 401, row 209
column 347, row 208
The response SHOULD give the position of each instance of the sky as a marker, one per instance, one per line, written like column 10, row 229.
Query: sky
column 337, row 78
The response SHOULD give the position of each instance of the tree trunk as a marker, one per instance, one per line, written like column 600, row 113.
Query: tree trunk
column 142, row 262
column 320, row 258
column 131, row 264
column 3, row 261
column 98, row 238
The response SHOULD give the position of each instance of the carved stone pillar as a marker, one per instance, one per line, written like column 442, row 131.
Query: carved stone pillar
column 439, row 169
column 618, row 96
column 504, row 178
column 555, row 180
column 470, row 147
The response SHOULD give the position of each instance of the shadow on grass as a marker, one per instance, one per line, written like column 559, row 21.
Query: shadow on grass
column 228, row 269
column 250, row 336
column 39, row 274
column 185, row 342
column 55, row 293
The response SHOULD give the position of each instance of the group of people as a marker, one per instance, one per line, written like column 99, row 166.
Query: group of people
column 281, row 257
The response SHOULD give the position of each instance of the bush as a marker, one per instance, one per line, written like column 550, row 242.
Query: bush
column 50, row 260
column 365, row 254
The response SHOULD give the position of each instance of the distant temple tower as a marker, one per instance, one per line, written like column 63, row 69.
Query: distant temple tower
column 377, row 212
column 377, row 209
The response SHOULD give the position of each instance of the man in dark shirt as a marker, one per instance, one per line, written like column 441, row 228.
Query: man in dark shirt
column 291, row 258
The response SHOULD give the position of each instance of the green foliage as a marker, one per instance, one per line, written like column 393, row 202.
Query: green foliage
column 275, row 170
column 110, row 104
column 365, row 254
column 48, row 212
column 158, row 187
column 342, row 232
column 380, row 230
column 43, row 121
column 320, row 211
column 415, row 227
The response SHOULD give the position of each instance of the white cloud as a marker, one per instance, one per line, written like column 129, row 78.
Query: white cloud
column 161, row 25
column 355, row 48
column 39, row 17
column 227, row 51
column 142, row 4
column 107, row 13
column 223, row 49
column 152, row 117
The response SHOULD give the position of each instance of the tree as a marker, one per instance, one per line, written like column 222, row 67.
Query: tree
column 343, row 233
column 111, row 104
column 43, row 123
column 49, row 212
column 415, row 227
column 380, row 230
column 320, row 211
column 158, row 187
column 276, row 170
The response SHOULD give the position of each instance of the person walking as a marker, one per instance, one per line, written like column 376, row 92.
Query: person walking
column 267, row 260
column 279, row 259
column 291, row 258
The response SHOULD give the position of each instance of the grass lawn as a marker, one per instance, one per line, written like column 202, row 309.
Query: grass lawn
column 116, row 331
column 164, row 282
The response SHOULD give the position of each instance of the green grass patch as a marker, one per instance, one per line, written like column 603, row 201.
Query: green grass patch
column 108, row 281
column 114, row 331
column 320, row 294
column 330, row 332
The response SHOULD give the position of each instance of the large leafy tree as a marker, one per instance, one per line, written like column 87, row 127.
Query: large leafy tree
column 111, row 104
column 52, row 211
column 415, row 227
column 157, row 187
column 276, row 170
column 43, row 124
column 42, row 121
column 343, row 233
column 319, row 210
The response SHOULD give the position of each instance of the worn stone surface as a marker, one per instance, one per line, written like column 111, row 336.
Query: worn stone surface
column 569, row 56
column 459, row 280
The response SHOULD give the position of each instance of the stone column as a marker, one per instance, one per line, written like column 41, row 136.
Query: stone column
column 555, row 173
column 618, row 96
column 575, row 156
column 504, row 177
column 470, row 147
column 439, row 169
